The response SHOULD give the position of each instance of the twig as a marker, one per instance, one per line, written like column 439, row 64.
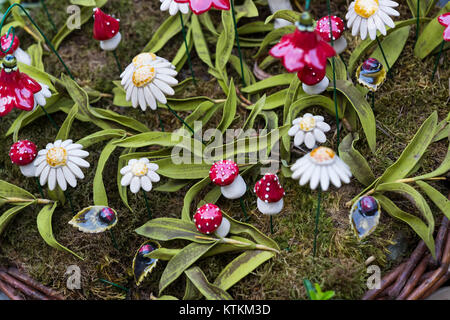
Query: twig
column 34, row 284
column 440, row 241
column 385, row 282
column 410, row 265
column 9, row 292
column 244, row 99
column 415, row 277
column 437, row 285
column 21, row 287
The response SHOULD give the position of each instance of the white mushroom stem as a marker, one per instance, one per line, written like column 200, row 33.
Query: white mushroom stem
column 277, row 5
column 317, row 88
column 340, row 45
column 224, row 228
column 111, row 44
column 270, row 208
column 235, row 190
column 22, row 56
column 28, row 170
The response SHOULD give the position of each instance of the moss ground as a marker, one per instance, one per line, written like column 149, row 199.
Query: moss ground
column 403, row 103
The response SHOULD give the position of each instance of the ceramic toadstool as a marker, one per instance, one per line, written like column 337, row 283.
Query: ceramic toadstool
column 270, row 194
column 338, row 28
column 23, row 153
column 225, row 174
column 209, row 219
column 106, row 30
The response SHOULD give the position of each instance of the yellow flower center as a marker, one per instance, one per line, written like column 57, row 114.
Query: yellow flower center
column 143, row 59
column 366, row 8
column 322, row 154
column 139, row 169
column 143, row 75
column 307, row 123
column 56, row 157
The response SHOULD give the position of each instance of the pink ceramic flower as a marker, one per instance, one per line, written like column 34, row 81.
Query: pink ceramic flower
column 445, row 21
column 201, row 6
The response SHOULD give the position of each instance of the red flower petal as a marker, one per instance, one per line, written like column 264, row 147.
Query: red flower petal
column 202, row 6
column 445, row 21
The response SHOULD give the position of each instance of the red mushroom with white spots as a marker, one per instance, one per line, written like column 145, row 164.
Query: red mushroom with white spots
column 225, row 174
column 106, row 30
column 270, row 194
column 209, row 219
column 338, row 28
column 23, row 153
column 14, row 48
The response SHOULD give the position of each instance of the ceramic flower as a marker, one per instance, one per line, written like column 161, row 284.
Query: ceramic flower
column 106, row 30
column 139, row 173
column 321, row 165
column 309, row 130
column 60, row 163
column 174, row 7
column 201, row 6
column 148, row 79
column 366, row 16
column 306, row 53
column 15, row 50
column 445, row 21
column 18, row 90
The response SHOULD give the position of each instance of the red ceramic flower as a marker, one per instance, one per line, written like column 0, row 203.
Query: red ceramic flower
column 17, row 89
column 201, row 6
column 304, row 48
column 6, row 44
column 445, row 21
column 105, row 26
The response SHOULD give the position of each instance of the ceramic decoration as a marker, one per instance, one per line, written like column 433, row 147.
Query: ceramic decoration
column 365, row 216
column 139, row 174
column 106, row 30
column 15, row 50
column 225, row 174
column 18, row 90
column 309, row 130
column 277, row 5
column 174, row 7
column 209, row 219
column 321, row 165
column 270, row 194
column 142, row 266
column 366, row 16
column 147, row 80
column 306, row 53
column 338, row 28
column 59, row 164
column 23, row 153
column 201, row 6
column 95, row 219
column 445, row 21
column 371, row 74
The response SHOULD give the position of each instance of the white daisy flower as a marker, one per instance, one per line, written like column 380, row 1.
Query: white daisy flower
column 139, row 174
column 60, row 163
column 366, row 16
column 148, row 79
column 309, row 130
column 321, row 165
column 174, row 7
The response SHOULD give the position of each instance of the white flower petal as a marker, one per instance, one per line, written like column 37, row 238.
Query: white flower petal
column 74, row 146
column 390, row 11
column 293, row 130
column 158, row 93
column 388, row 3
column 44, row 175
column 61, row 179
column 125, row 170
column 334, row 177
column 152, row 166
column 386, row 19
column 57, row 143
column 52, row 179
column 315, row 177
column 126, row 179
column 307, row 175
column 380, row 24
column 153, row 176
column 299, row 138
column 70, row 177
column 363, row 29
column 79, row 162
column 78, row 153
column 167, row 79
column 151, row 101
column 356, row 26
column 146, row 183
column 299, row 163
column 141, row 98
column 342, row 175
column 310, row 142
column 324, row 179
column 75, row 170
column 135, row 184
column 325, row 127
column 319, row 135
column 372, row 28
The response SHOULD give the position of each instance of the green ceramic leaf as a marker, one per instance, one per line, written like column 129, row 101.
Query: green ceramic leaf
column 229, row 109
column 64, row 131
column 10, row 214
column 44, row 223
column 289, row 15
column 100, row 195
column 201, row 46
column 438, row 198
column 8, row 190
column 283, row 79
column 209, row 290
column 190, row 195
column 393, row 45
column 101, row 136
column 271, row 39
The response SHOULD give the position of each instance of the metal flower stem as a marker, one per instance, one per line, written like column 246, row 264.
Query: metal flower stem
column 119, row 66
column 384, row 57
column 49, row 43
column 183, row 31
column 39, row 187
column 316, row 231
column 441, row 48
column 243, row 209
column 113, row 238
column 113, row 284
column 418, row 22
column 49, row 16
column 238, row 43
column 161, row 124
column 69, row 198
column 149, row 212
